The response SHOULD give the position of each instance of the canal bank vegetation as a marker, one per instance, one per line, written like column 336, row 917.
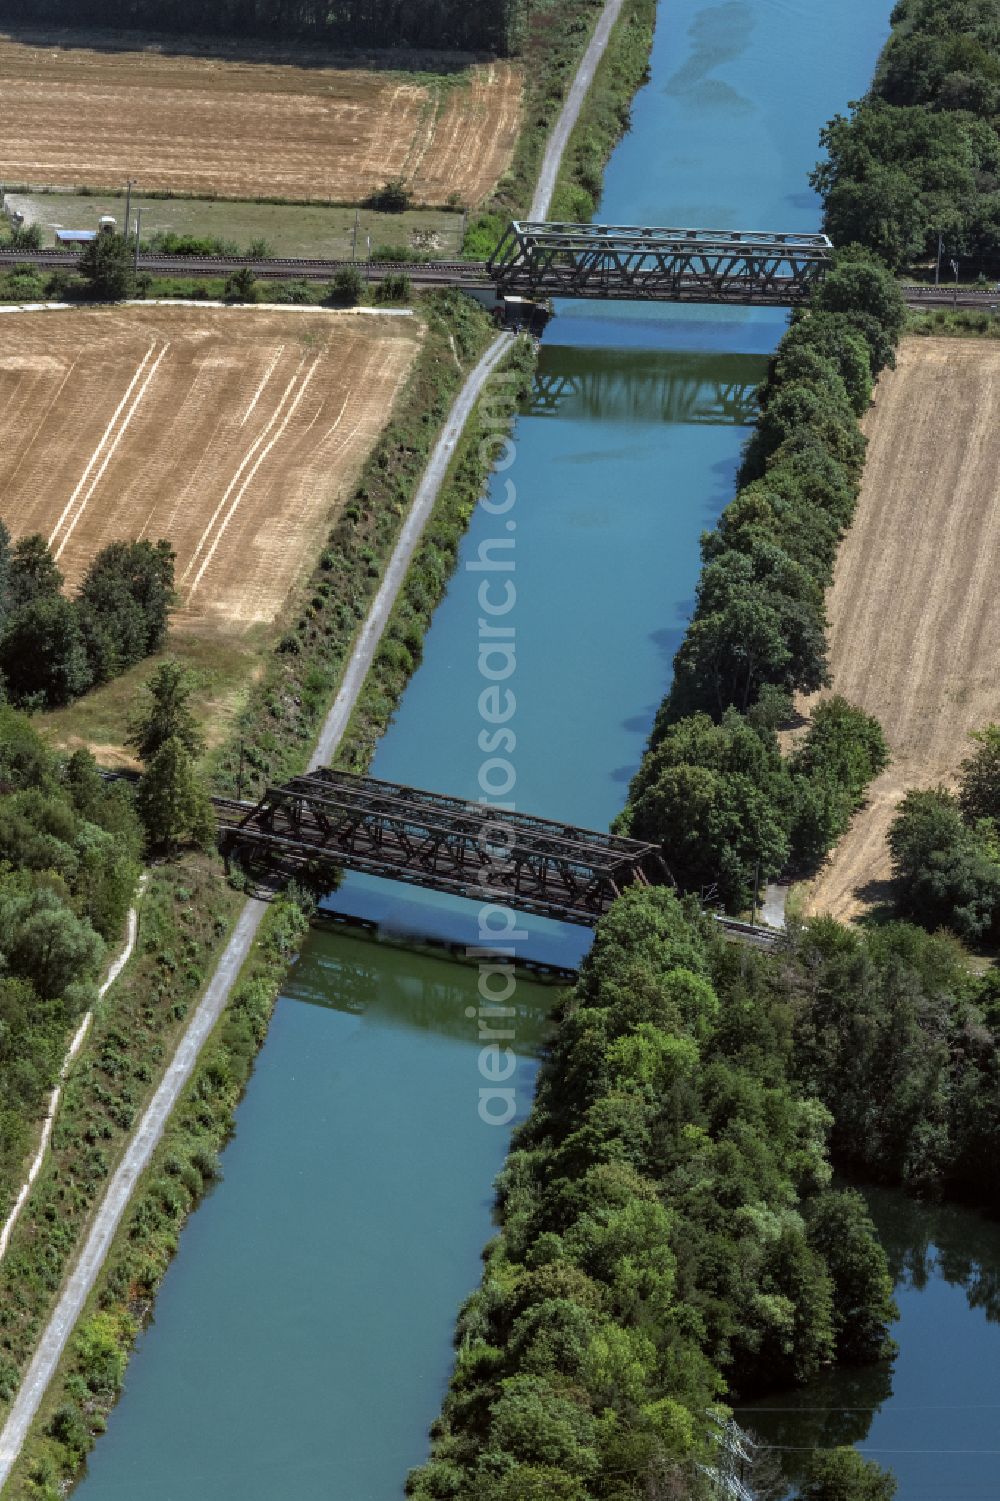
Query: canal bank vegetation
column 669, row 1236
column 183, row 1168
column 714, row 786
column 919, row 156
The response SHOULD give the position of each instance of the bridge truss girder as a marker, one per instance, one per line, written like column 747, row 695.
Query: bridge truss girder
column 333, row 820
column 668, row 265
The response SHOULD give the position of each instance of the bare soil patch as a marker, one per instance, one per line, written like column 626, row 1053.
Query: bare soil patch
column 915, row 635
column 245, row 127
column 234, row 433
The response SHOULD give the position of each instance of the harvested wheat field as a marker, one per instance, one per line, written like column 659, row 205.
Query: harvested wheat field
column 232, row 432
column 914, row 613
column 242, row 128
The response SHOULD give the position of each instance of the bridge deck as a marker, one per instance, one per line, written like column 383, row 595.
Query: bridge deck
column 332, row 819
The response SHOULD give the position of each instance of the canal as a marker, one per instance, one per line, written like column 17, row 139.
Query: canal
column 301, row 1343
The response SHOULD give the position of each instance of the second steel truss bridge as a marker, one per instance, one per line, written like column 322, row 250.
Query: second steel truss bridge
column 631, row 262
column 333, row 820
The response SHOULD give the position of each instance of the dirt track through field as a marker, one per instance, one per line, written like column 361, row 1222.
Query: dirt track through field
column 234, row 433
column 244, row 128
column 915, row 635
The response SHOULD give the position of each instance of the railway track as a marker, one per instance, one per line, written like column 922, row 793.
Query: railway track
column 287, row 268
column 961, row 297
column 468, row 274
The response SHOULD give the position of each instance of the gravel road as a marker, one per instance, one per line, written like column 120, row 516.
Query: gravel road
column 552, row 160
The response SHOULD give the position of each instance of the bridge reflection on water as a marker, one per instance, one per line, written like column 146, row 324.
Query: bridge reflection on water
column 612, row 385
column 403, row 985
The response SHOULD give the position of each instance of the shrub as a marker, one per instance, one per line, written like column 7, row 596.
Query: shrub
column 241, row 286
column 393, row 197
column 394, row 288
column 348, row 287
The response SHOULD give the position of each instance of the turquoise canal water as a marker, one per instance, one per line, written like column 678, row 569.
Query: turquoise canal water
column 301, row 1344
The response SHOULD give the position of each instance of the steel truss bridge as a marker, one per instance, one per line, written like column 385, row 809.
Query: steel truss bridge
column 666, row 265
column 333, row 820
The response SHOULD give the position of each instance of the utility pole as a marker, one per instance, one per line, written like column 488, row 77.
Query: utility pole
column 128, row 206
column 138, row 223
column 756, row 884
column 954, row 267
column 354, row 243
column 937, row 269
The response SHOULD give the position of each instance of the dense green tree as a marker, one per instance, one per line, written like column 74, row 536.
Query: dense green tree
column 712, row 794
column 799, row 409
column 25, row 761
column 845, row 1475
column 165, row 713
column 69, row 847
column 946, row 874
column 729, row 655
column 657, row 1224
column 31, row 573
column 979, row 793
column 43, row 656
column 43, row 942
column 841, row 1230
column 861, row 288
column 86, row 787
column 173, row 804
column 6, row 552
column 842, row 743
column 895, row 177
column 57, row 648
column 348, row 286
column 241, row 286
column 832, row 336
column 124, row 604
column 788, row 588
column 107, row 265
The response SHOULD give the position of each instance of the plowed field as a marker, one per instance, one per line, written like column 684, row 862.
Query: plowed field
column 914, row 613
column 234, row 433
column 242, row 128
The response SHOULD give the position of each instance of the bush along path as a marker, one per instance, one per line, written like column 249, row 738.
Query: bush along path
column 115, row 969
